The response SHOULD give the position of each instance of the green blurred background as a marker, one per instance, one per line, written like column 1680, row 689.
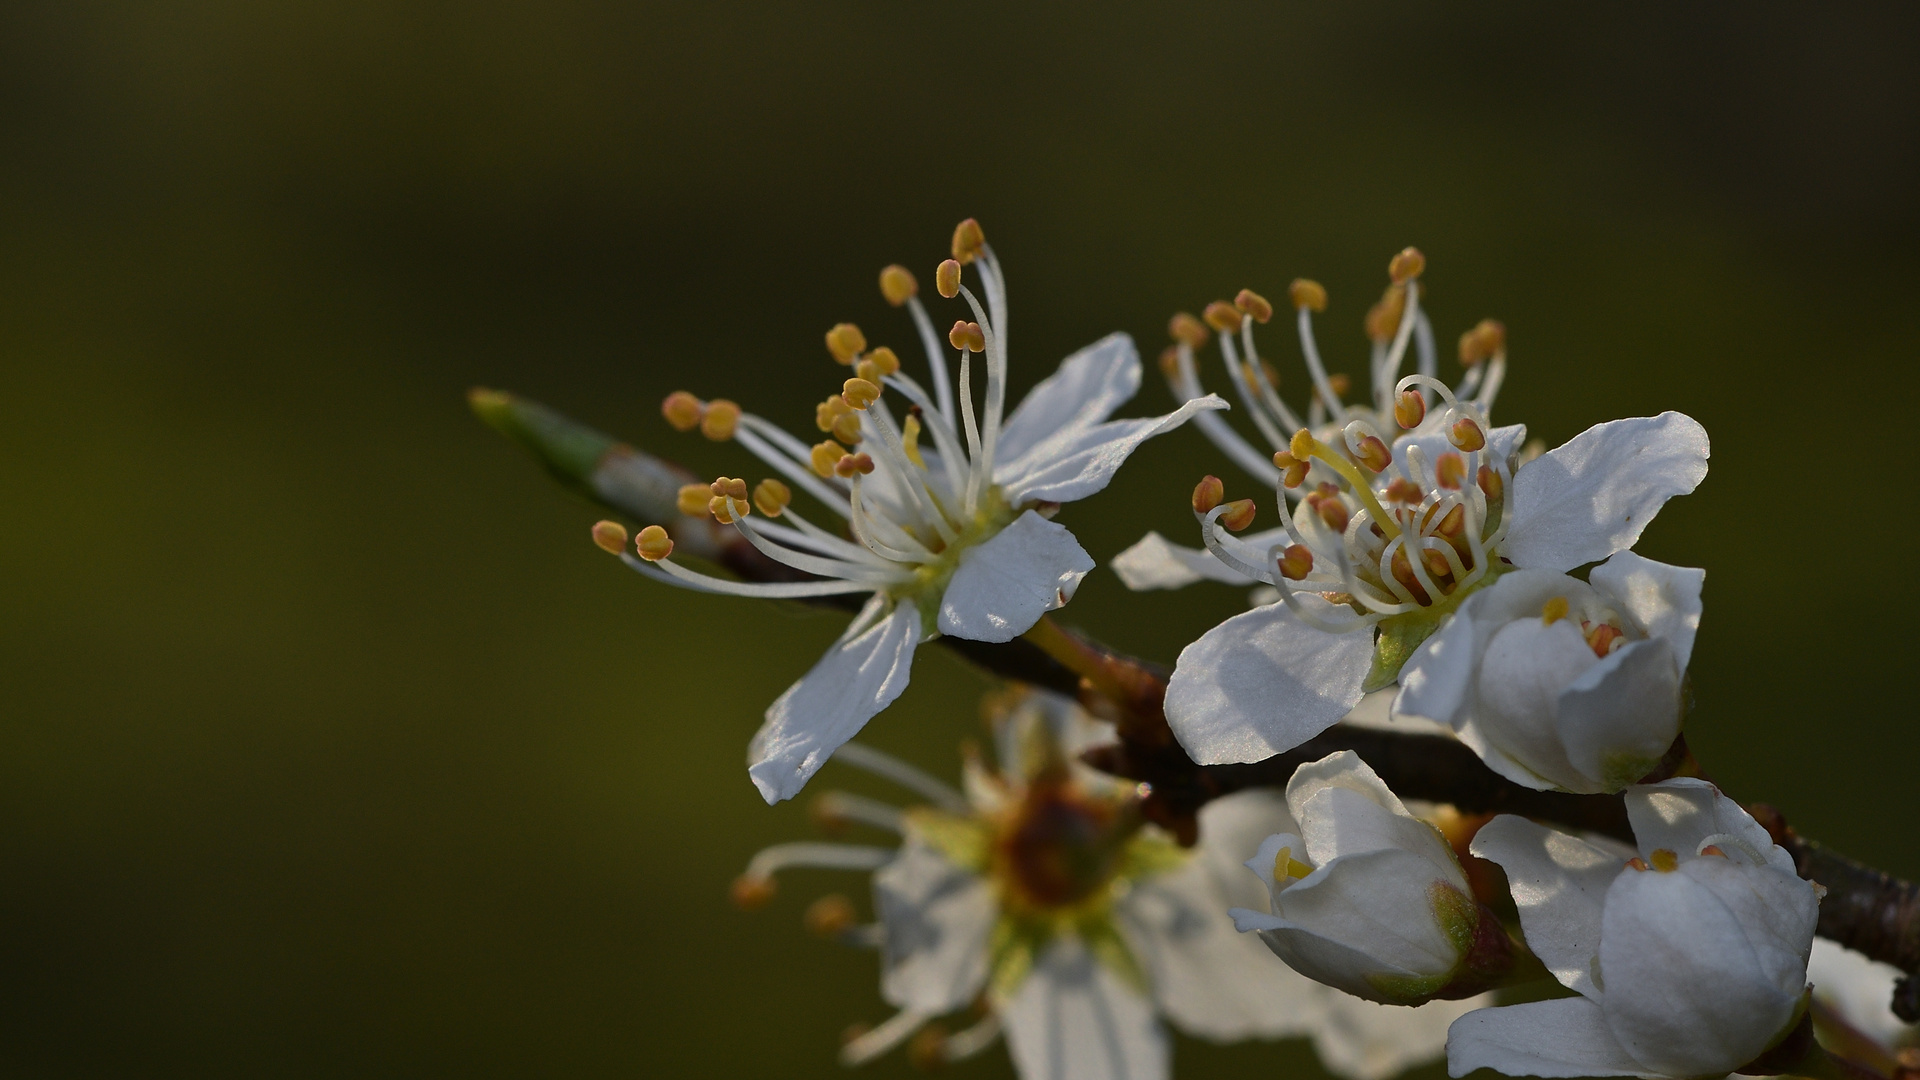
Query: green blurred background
column 332, row 746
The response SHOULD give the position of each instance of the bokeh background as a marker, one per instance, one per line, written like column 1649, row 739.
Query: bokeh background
column 331, row 745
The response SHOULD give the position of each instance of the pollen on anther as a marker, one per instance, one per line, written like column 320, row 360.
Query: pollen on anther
column 1238, row 515
column 968, row 239
column 1466, row 435
column 722, row 418
column 1170, row 361
column 823, row 457
column 946, row 279
column 692, row 499
column 1253, row 305
column 1301, row 446
column 1296, row 562
column 830, row 916
column 1383, row 318
column 884, row 360
column 771, row 497
column 1333, row 514
column 653, row 543
column 1374, row 454
column 1487, row 337
column 1402, row 490
column 846, row 342
column 1490, row 483
column 1554, row 610
column 852, row 464
column 1187, row 330
column 1222, row 316
column 1307, row 294
column 859, row 393
column 683, row 410
column 1714, row 849
column 1450, row 470
column 1665, row 860
column 751, row 893
column 898, row 284
column 1406, row 266
column 610, row 536
column 1409, row 409
column 1208, row 493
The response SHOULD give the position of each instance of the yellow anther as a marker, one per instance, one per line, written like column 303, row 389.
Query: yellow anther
column 1253, row 305
column 610, row 537
column 1490, row 483
column 946, row 279
column 1295, row 475
column 1406, row 266
column 828, row 411
column 898, row 284
column 852, row 464
column 1374, row 453
column 846, row 427
column 883, row 360
column 683, row 411
column 967, row 335
column 692, row 500
column 751, row 893
column 968, row 240
column 1409, row 409
column 846, row 342
column 728, row 487
column 1284, row 459
column 1437, row 564
column 1383, row 318
column 1222, row 316
column 1487, row 337
column 1187, row 330
column 1170, row 361
column 1450, row 471
column 653, row 543
column 1554, row 611
column 770, row 497
column 830, row 916
column 1466, row 435
column 859, row 393
column 722, row 417
column 1664, row 860
column 1296, row 562
column 1303, row 445
column 823, row 457
column 910, row 438
column 1309, row 294
column 1285, row 866
column 1238, row 515
column 1208, row 493
column 723, row 509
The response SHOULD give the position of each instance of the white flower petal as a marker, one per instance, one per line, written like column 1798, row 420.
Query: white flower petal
column 1683, row 813
column 1076, row 462
column 1858, row 989
column 1564, row 1037
column 1003, row 586
column 938, row 919
column 1083, row 391
column 1263, row 682
column 1436, row 683
column 830, row 704
column 1559, row 883
column 1663, row 601
column 1345, row 809
column 1433, row 439
column 1153, row 562
column 1072, row 1019
column 1364, row 1040
column 1583, row 501
column 1375, row 713
column 1618, row 719
column 1376, row 904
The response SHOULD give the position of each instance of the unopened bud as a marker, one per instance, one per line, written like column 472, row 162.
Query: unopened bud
column 1222, row 316
column 1296, row 562
column 898, row 284
column 823, row 457
column 751, row 893
column 1333, row 514
column 1308, row 294
column 1450, row 471
column 683, row 411
column 859, row 393
column 846, row 342
column 692, row 499
column 1409, row 409
column 1490, row 483
column 1406, row 266
column 946, row 279
column 884, row 360
column 968, row 240
column 1466, row 435
column 1487, row 337
column 770, row 497
column 1374, row 454
column 722, row 417
column 653, row 543
column 1238, row 515
column 610, row 537
column 1208, row 493
column 1187, row 330
column 1253, row 305
column 847, row 467
column 830, row 916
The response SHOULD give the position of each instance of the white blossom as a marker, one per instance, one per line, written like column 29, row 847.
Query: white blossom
column 1689, row 960
column 954, row 538
column 1562, row 683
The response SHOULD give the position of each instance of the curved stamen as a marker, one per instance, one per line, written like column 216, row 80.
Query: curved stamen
column 1187, row 387
column 669, row 571
column 1362, row 490
column 814, row 564
column 1312, row 619
column 866, row 527
column 749, row 434
column 952, row 459
column 936, row 360
column 1239, row 379
column 896, row 1030
column 1397, row 352
column 1318, row 370
column 996, row 392
column 887, row 767
column 846, row 806
column 825, row 543
column 816, row 855
column 972, row 504
column 1217, row 543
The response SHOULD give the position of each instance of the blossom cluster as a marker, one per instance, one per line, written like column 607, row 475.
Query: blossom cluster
column 1430, row 571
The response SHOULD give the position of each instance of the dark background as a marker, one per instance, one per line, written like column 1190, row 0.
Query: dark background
column 331, row 745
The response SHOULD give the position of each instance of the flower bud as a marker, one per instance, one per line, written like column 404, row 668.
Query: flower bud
column 946, row 279
column 1253, row 305
column 1307, row 295
column 846, row 342
column 898, row 285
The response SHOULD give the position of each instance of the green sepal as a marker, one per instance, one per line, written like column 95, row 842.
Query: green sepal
column 1011, row 951
column 1401, row 634
column 963, row 841
column 1103, row 940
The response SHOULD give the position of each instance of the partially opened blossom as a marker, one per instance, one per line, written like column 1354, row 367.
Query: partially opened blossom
column 1387, row 539
column 953, row 537
column 1369, row 899
column 1561, row 683
column 1689, row 960
column 1038, row 907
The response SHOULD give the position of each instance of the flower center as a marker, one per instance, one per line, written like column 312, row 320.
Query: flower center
column 1060, row 848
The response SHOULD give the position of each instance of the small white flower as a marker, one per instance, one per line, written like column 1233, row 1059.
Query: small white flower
column 1562, row 683
column 1040, row 898
column 1690, row 960
column 1368, row 898
column 951, row 539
